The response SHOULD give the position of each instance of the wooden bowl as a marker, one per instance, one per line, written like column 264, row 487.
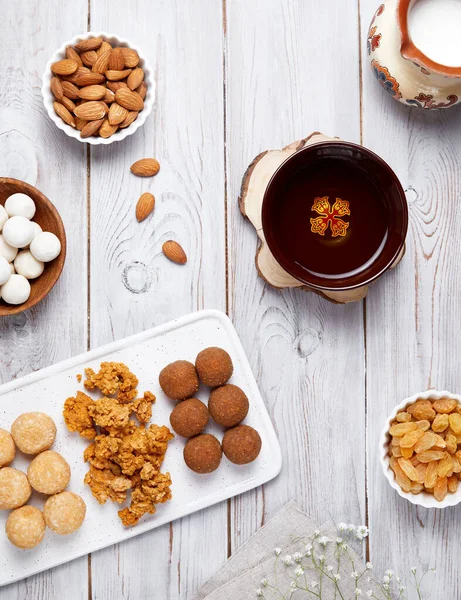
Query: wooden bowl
column 49, row 220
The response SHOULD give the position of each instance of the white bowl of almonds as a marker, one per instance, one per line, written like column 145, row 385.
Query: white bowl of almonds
column 420, row 449
column 98, row 88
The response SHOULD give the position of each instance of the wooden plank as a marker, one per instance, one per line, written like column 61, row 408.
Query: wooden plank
column 133, row 286
column 33, row 149
column 308, row 355
column 412, row 337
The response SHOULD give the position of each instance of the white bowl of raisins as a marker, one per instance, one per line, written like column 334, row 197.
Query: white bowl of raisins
column 420, row 449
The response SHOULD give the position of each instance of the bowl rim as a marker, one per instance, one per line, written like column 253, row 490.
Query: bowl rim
column 27, row 187
column 285, row 264
column 120, row 134
column 423, row 499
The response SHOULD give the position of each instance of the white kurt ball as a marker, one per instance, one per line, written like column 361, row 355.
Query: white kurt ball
column 16, row 290
column 3, row 217
column 45, row 246
column 18, row 232
column 28, row 266
column 5, row 270
column 6, row 250
column 20, row 205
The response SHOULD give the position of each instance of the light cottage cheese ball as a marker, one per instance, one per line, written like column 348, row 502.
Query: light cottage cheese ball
column 7, row 448
column 3, row 217
column 25, row 527
column 5, row 270
column 20, row 205
column 49, row 473
column 16, row 290
column 14, row 488
column 45, row 246
column 33, row 432
column 64, row 513
column 28, row 266
column 18, row 232
column 6, row 250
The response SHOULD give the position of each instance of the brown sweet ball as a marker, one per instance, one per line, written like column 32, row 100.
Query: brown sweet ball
column 7, row 448
column 241, row 445
column 64, row 513
column 33, row 432
column 214, row 366
column 203, row 453
column 179, row 380
column 189, row 418
column 14, row 488
column 228, row 405
column 25, row 527
column 49, row 473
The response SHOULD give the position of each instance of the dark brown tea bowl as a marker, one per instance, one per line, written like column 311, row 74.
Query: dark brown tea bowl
column 335, row 216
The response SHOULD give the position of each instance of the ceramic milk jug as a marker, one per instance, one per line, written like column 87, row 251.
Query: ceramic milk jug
column 408, row 74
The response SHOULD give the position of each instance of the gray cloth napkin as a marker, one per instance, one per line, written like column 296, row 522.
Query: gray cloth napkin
column 289, row 530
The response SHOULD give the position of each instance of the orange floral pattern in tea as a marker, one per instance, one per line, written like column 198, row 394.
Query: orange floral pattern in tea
column 330, row 216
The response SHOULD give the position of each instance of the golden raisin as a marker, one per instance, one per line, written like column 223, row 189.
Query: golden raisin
column 430, row 455
column 403, row 417
column 410, row 439
column 407, row 452
column 440, row 488
column 402, row 429
column 403, row 481
column 440, row 423
column 445, row 466
column 455, row 423
column 422, row 410
column 444, row 405
column 450, row 443
column 453, row 483
column 408, row 469
column 428, row 440
column 431, row 475
column 424, row 425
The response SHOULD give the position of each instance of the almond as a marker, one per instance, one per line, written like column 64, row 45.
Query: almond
column 91, row 111
column 89, row 79
column 128, row 99
column 67, row 102
column 80, row 123
column 131, row 117
column 142, row 90
column 92, row 92
column 117, row 114
column 70, row 53
column 89, row 58
column 146, row 167
column 174, row 252
column 67, row 66
column 70, row 90
column 104, row 47
column 117, row 75
column 65, row 115
column 56, row 88
column 144, row 206
column 91, row 128
column 80, row 71
column 107, row 129
column 116, row 85
column 102, row 63
column 130, row 57
column 109, row 96
column 135, row 78
column 116, row 60
column 89, row 44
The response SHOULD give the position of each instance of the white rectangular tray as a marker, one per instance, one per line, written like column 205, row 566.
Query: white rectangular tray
column 145, row 354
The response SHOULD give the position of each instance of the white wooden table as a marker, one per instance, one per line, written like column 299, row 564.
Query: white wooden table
column 235, row 77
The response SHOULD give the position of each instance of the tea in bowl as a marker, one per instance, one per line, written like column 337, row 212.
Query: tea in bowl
column 335, row 216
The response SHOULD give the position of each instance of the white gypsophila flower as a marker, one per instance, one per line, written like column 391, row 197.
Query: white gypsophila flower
column 316, row 533
column 362, row 532
column 314, row 585
column 370, row 593
column 278, row 551
column 298, row 557
column 398, row 579
column 309, row 547
column 339, row 540
column 434, row 570
column 308, row 553
column 358, row 592
column 293, row 587
column 299, row 571
column 322, row 558
column 337, row 577
column 386, row 579
column 413, row 570
column 324, row 540
column 264, row 582
column 287, row 560
column 344, row 546
column 259, row 592
column 351, row 527
column 354, row 575
column 386, row 586
column 328, row 568
column 369, row 566
column 342, row 527
column 389, row 573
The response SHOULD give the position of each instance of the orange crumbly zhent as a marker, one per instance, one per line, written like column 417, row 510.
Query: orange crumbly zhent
column 123, row 456
column 425, row 447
